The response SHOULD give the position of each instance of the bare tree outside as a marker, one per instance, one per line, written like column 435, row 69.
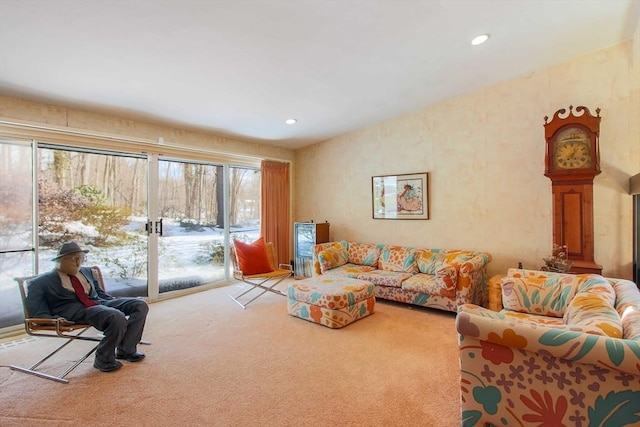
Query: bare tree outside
column 101, row 200
column 244, row 195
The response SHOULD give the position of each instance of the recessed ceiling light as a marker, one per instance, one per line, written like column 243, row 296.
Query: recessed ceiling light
column 291, row 121
column 480, row 39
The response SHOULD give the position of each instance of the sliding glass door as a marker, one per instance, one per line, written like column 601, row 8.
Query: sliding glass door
column 152, row 224
column 17, row 254
column 195, row 218
column 191, row 224
column 100, row 200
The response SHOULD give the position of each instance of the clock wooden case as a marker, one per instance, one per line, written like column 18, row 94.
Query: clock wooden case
column 572, row 161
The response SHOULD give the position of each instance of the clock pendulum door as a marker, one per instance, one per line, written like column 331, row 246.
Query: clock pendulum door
column 573, row 224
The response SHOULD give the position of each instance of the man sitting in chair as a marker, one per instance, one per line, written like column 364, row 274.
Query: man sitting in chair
column 72, row 292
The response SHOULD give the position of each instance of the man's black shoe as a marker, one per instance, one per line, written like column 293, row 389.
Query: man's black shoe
column 107, row 367
column 133, row 357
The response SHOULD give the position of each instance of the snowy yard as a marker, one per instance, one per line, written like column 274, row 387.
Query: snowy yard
column 183, row 261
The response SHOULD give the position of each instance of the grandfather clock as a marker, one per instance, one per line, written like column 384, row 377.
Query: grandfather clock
column 572, row 161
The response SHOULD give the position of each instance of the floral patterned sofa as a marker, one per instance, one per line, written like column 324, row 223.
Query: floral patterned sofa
column 565, row 351
column 438, row 278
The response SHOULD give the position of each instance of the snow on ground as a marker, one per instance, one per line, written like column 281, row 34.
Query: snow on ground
column 182, row 262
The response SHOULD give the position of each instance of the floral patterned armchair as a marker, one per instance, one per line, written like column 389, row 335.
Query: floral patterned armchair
column 519, row 371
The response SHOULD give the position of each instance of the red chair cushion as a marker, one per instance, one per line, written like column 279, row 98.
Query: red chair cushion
column 252, row 257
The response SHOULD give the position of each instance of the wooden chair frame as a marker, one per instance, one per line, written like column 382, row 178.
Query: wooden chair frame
column 54, row 328
column 266, row 282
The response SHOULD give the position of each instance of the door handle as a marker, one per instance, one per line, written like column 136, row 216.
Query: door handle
column 151, row 227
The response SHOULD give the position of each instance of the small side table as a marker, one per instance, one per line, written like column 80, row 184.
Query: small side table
column 495, row 292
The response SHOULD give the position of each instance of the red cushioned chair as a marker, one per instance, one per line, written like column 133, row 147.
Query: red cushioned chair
column 266, row 282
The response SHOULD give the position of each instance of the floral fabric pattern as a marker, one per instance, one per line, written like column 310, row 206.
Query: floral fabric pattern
column 591, row 307
column 385, row 278
column 349, row 270
column 422, row 282
column 331, row 318
column 332, row 302
column 429, row 284
column 594, row 313
column 515, row 371
column 416, row 298
column 535, row 318
column 364, row 254
column 447, row 277
column 333, row 256
column 398, row 258
column 628, row 307
column 538, row 274
column 429, row 259
column 546, row 297
column 321, row 247
column 457, row 276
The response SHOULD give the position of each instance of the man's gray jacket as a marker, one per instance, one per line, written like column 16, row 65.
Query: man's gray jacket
column 46, row 297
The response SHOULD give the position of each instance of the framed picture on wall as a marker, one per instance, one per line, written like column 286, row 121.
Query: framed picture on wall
column 400, row 196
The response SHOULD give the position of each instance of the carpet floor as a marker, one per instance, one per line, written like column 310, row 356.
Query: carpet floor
column 211, row 363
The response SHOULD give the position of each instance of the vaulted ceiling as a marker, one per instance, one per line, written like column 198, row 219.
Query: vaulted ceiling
column 241, row 68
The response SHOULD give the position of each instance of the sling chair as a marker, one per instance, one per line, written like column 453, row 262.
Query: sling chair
column 55, row 328
column 263, row 281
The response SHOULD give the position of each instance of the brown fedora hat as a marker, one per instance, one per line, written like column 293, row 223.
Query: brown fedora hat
column 68, row 249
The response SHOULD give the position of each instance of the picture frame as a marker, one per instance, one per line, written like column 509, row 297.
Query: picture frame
column 403, row 196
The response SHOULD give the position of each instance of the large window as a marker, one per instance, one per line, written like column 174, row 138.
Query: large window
column 154, row 225
column 16, row 225
column 191, row 203
column 100, row 200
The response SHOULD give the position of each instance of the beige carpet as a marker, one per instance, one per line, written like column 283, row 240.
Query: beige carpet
column 213, row 364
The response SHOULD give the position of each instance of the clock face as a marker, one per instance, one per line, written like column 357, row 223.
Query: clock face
column 572, row 149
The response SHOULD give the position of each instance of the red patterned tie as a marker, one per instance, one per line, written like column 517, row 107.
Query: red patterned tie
column 80, row 293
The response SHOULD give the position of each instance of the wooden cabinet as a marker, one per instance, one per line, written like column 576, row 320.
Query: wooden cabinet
column 305, row 235
column 573, row 224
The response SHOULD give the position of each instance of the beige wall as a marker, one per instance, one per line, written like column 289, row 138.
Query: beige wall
column 24, row 111
column 484, row 152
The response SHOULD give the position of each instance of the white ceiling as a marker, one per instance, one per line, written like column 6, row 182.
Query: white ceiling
column 240, row 68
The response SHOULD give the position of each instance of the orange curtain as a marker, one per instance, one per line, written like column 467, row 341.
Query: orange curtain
column 275, row 207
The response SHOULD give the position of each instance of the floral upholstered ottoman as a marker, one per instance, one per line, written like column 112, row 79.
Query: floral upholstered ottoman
column 332, row 302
